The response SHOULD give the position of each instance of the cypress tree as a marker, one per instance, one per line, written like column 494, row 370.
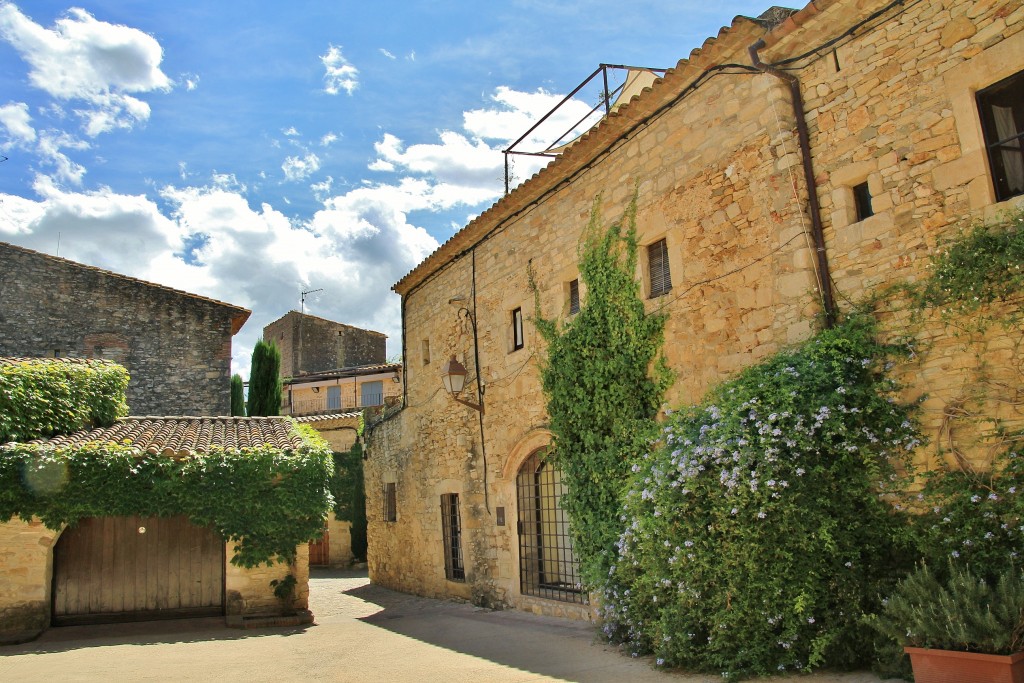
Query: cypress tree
column 265, row 380
column 237, row 396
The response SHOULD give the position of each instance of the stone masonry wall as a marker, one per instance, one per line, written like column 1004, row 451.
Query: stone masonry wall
column 718, row 176
column 311, row 344
column 177, row 348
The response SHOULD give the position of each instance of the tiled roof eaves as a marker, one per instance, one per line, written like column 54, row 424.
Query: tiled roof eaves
column 356, row 371
column 185, row 436
column 742, row 32
column 238, row 317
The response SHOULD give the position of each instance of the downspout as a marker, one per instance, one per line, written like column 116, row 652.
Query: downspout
column 479, row 388
column 817, row 232
column 405, row 361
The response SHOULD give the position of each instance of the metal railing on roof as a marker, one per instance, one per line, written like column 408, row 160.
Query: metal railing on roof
column 608, row 100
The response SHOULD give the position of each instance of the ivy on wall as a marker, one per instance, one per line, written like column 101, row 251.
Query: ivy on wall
column 43, row 397
column 266, row 500
column 350, row 496
column 601, row 397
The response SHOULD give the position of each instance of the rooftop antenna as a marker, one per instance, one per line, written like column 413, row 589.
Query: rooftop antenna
column 308, row 291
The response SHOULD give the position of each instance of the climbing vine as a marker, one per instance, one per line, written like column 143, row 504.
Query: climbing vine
column 266, row 500
column 601, row 396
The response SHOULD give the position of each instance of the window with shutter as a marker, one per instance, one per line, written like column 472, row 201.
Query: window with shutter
column 574, row 297
column 657, row 266
column 451, row 529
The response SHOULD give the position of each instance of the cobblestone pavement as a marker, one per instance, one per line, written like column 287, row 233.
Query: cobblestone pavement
column 362, row 633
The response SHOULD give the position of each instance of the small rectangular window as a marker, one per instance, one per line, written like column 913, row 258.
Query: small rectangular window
column 1002, row 121
column 862, row 201
column 657, row 265
column 390, row 503
column 426, row 352
column 574, row 297
column 517, row 329
column 451, row 527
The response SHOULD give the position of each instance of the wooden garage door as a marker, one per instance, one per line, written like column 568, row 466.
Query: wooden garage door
column 108, row 569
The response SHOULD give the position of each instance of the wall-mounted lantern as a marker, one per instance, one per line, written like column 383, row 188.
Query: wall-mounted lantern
column 453, row 374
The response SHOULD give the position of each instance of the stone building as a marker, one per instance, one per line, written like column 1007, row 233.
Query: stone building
column 132, row 568
column 311, row 344
column 175, row 345
column 342, row 390
column 913, row 115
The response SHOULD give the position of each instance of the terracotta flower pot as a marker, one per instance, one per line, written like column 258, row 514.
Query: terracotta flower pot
column 950, row 666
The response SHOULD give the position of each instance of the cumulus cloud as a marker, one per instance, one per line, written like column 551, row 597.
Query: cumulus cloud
column 51, row 144
column 191, row 81
column 16, row 120
column 300, row 168
column 88, row 61
column 339, row 73
column 387, row 54
column 328, row 139
column 255, row 256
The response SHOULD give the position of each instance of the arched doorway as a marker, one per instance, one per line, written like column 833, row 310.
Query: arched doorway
column 136, row 568
column 548, row 567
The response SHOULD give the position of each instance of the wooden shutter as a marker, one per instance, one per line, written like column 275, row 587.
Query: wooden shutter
column 657, row 262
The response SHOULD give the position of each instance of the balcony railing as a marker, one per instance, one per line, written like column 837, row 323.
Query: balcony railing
column 335, row 404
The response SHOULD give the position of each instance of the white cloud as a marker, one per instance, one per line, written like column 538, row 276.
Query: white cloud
column 49, row 149
column 300, row 168
column 387, row 54
column 339, row 73
column 16, row 119
column 381, row 165
column 191, row 81
column 322, row 189
column 328, row 139
column 82, row 59
column 291, row 132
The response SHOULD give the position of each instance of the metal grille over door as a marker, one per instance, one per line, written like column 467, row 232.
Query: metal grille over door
column 548, row 568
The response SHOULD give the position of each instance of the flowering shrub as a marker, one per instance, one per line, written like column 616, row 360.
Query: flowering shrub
column 975, row 518
column 758, row 529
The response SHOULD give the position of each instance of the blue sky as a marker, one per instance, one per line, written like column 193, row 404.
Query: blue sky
column 248, row 151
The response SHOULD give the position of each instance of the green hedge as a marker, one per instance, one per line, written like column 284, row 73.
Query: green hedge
column 266, row 500
column 45, row 397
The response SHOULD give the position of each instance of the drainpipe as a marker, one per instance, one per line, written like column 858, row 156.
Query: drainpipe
column 817, row 233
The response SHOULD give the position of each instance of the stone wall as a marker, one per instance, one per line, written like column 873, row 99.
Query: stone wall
column 311, row 344
column 26, row 556
column 718, row 175
column 176, row 346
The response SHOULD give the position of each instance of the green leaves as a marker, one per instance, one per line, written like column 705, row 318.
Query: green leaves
column 45, row 397
column 266, row 500
column 754, row 536
column 966, row 612
column 601, row 398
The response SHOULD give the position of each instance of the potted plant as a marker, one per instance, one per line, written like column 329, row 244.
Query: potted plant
column 960, row 629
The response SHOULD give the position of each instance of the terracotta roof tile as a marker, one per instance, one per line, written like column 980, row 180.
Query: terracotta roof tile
column 184, row 436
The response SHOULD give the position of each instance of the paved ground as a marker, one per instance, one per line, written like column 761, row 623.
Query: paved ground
column 362, row 633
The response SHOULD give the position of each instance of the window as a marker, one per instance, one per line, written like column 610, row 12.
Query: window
column 548, row 567
column 390, row 503
column 1002, row 121
column 574, row 297
column 657, row 265
column 371, row 394
column 517, row 329
column 333, row 397
column 862, row 201
column 451, row 528
column 426, row 352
